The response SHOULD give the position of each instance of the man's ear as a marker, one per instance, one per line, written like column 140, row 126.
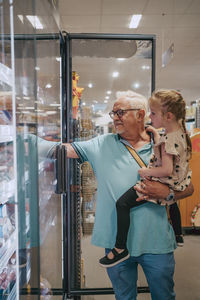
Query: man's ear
column 140, row 114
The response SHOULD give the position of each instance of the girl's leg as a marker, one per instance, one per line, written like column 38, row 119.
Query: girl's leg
column 123, row 205
column 175, row 217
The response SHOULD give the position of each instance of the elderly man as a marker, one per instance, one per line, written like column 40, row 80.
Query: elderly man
column 151, row 239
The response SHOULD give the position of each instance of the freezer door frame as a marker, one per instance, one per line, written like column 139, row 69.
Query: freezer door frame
column 70, row 267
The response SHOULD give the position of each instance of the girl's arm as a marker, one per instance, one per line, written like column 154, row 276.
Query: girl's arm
column 156, row 135
column 162, row 171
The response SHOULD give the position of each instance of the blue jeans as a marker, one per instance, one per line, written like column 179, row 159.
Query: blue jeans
column 158, row 269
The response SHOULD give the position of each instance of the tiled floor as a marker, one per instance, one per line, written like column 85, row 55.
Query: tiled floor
column 187, row 273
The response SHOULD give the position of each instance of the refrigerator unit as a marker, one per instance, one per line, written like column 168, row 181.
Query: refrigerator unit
column 62, row 88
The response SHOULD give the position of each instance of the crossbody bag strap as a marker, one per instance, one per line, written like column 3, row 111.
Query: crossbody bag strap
column 141, row 163
column 138, row 159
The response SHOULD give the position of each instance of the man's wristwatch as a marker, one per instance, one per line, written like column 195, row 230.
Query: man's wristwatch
column 171, row 195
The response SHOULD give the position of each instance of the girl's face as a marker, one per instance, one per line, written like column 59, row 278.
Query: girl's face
column 157, row 118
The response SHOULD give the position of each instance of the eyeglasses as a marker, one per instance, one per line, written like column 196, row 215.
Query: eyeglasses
column 120, row 112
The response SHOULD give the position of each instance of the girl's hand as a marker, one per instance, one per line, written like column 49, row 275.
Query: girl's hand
column 155, row 132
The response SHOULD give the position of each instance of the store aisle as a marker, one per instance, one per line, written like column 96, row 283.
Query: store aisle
column 187, row 272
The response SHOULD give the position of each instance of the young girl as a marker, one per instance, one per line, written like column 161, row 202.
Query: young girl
column 169, row 164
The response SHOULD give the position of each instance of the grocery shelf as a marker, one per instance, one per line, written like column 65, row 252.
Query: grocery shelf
column 7, row 250
column 6, row 139
column 12, row 295
column 6, row 133
column 7, row 190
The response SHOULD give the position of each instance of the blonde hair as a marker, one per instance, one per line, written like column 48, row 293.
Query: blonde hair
column 134, row 99
column 172, row 101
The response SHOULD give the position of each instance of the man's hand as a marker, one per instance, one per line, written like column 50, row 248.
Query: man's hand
column 152, row 190
column 156, row 190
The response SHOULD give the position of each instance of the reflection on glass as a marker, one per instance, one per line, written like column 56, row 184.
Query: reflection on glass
column 101, row 67
column 30, row 212
column 8, row 208
column 38, row 115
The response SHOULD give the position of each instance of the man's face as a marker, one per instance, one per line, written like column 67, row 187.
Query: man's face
column 127, row 122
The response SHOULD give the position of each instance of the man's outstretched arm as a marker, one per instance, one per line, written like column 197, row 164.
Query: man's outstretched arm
column 71, row 153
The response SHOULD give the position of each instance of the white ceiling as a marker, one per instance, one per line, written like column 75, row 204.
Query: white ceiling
column 172, row 21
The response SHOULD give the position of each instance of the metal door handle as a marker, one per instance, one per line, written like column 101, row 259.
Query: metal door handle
column 60, row 169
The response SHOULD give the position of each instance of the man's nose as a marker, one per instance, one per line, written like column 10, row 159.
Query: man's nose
column 116, row 117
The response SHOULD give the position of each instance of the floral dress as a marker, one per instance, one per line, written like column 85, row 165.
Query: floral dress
column 174, row 144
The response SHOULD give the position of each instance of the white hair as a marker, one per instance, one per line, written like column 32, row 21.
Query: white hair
column 135, row 100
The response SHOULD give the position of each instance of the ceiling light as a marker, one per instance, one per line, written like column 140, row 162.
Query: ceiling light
column 168, row 55
column 35, row 22
column 115, row 74
column 83, row 103
column 95, row 101
column 136, row 85
column 135, row 20
column 108, row 92
column 55, row 104
column 105, row 101
column 29, row 107
column 48, row 86
column 21, row 18
column 37, row 68
column 25, row 112
column 121, row 59
column 26, row 98
column 58, row 58
column 90, row 85
column 145, row 67
column 107, row 97
column 51, row 112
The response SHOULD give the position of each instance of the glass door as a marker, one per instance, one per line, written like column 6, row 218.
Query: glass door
column 9, row 275
column 99, row 65
column 38, row 126
column 30, row 127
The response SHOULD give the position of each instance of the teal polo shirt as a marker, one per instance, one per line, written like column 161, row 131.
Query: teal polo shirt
column 116, row 171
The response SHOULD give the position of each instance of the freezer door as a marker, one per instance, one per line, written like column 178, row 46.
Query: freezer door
column 38, row 131
column 99, row 65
